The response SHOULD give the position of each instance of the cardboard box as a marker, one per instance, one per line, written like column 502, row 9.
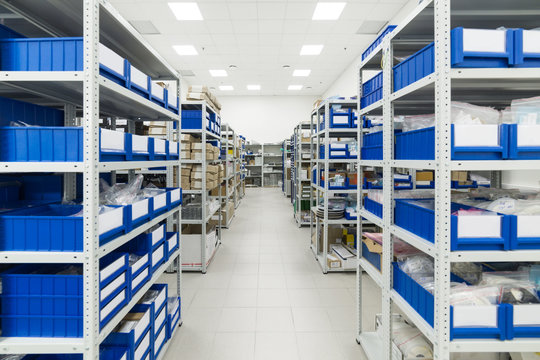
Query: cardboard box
column 157, row 131
column 333, row 261
column 216, row 190
column 335, row 235
column 199, row 146
column 185, row 154
column 197, row 175
column 197, row 184
column 460, row 175
column 424, row 176
column 187, row 138
column 186, row 172
column 347, row 258
column 191, row 244
column 353, row 178
column 185, row 146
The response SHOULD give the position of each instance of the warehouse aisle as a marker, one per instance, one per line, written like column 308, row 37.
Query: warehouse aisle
column 264, row 296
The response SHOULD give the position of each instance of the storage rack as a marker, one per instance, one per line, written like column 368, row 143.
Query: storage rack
column 433, row 20
column 243, row 170
column 203, row 135
column 301, row 164
column 272, row 158
column 321, row 116
column 238, row 170
column 228, row 155
column 286, row 168
column 257, row 176
column 86, row 92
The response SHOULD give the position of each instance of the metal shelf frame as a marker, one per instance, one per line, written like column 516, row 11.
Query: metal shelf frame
column 323, row 137
column 300, row 147
column 275, row 154
column 95, row 97
column 432, row 21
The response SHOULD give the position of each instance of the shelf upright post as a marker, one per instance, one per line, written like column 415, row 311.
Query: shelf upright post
column 203, row 188
column 326, row 143
column 91, row 179
column 70, row 179
column 388, row 194
column 359, row 194
column 262, row 166
column 311, row 216
column 441, row 346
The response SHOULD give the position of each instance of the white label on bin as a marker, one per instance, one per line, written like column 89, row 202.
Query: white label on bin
column 139, row 78
column 158, row 91
column 479, row 226
column 159, row 146
column 160, row 318
column 173, row 241
column 142, row 324
column 139, row 144
column 531, row 42
column 160, row 339
column 528, row 135
column 341, row 120
column 138, row 209
column 173, row 148
column 112, row 305
column 527, row 315
column 115, row 284
column 158, row 254
column 111, row 220
column 144, row 345
column 158, row 235
column 481, row 40
column 112, row 140
column 160, row 201
column 111, row 59
column 161, row 298
column 476, row 135
column 175, row 195
column 527, row 226
column 172, row 100
column 475, row 316
column 111, row 268
column 338, row 146
column 139, row 264
column 139, row 278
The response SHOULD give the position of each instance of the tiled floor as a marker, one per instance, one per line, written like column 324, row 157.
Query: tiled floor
column 265, row 297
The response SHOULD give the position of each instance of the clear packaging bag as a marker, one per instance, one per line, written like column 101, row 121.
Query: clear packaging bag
column 526, row 111
column 469, row 114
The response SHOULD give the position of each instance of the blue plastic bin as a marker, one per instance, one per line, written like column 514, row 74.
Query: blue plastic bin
column 172, row 102
column 423, row 302
column 420, row 145
column 173, row 317
column 340, row 119
column 516, row 152
column 378, row 41
column 411, row 216
column 15, row 111
column 373, row 207
column 139, row 82
column 173, row 243
column 462, row 58
column 153, row 243
column 521, row 242
column 139, row 348
column 373, row 258
column 415, row 67
column 372, row 146
column 50, row 228
column 372, row 90
column 160, row 338
column 140, row 272
column 524, row 56
column 522, row 330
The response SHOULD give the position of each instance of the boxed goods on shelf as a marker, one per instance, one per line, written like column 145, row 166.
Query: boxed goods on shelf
column 134, row 332
column 173, row 310
column 47, row 301
column 191, row 244
column 378, row 41
column 526, row 49
column 471, row 228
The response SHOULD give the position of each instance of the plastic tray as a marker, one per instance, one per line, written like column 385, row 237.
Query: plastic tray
column 523, row 143
column 378, row 41
column 137, row 350
column 339, row 119
column 421, row 221
column 160, row 338
column 139, row 82
column 173, row 243
column 140, row 272
column 173, row 319
column 420, row 145
column 372, row 146
column 415, row 67
column 373, row 207
column 526, row 50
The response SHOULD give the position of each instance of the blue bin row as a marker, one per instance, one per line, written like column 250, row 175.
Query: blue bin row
column 341, row 118
column 502, row 322
column 66, row 54
column 105, row 353
column 378, row 41
column 510, row 47
column 60, row 144
column 152, row 326
column 56, row 227
column 47, row 301
column 489, row 232
column 337, row 151
column 192, row 120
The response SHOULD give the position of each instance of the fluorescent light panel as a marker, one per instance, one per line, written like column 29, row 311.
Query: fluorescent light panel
column 311, row 49
column 254, row 87
column 218, row 73
column 328, row 10
column 185, row 50
column 226, row 88
column 299, row 72
column 186, row 10
column 294, row 87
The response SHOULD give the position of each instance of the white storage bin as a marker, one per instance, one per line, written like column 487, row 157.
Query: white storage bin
column 139, row 144
column 111, row 60
column 112, row 140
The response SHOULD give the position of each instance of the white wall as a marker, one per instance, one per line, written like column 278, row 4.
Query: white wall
column 265, row 118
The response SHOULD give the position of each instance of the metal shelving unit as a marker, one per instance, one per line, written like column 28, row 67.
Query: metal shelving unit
column 228, row 143
column 87, row 93
column 254, row 172
column 271, row 158
column 203, row 136
column 243, row 170
column 286, row 167
column 319, row 137
column 302, row 162
column 432, row 21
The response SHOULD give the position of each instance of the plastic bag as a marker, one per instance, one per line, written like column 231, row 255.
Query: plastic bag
column 121, row 194
column 418, row 264
column 468, row 114
column 71, row 270
column 133, row 258
column 410, row 341
column 474, row 295
column 526, row 111
column 418, row 122
column 149, row 297
column 470, row 272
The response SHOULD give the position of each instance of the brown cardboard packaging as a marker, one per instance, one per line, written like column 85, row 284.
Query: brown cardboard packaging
column 459, row 175
column 424, row 176
column 185, row 146
column 187, row 138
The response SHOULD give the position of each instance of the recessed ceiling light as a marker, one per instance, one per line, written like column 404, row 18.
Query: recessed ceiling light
column 185, row 50
column 311, row 49
column 186, row 10
column 295, row 87
column 226, row 88
column 254, row 87
column 298, row 72
column 328, row 10
column 218, row 73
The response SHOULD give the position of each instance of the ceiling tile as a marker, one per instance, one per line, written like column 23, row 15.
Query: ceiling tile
column 214, row 10
column 270, row 26
column 271, row 10
column 242, row 10
column 300, row 10
column 220, row 26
